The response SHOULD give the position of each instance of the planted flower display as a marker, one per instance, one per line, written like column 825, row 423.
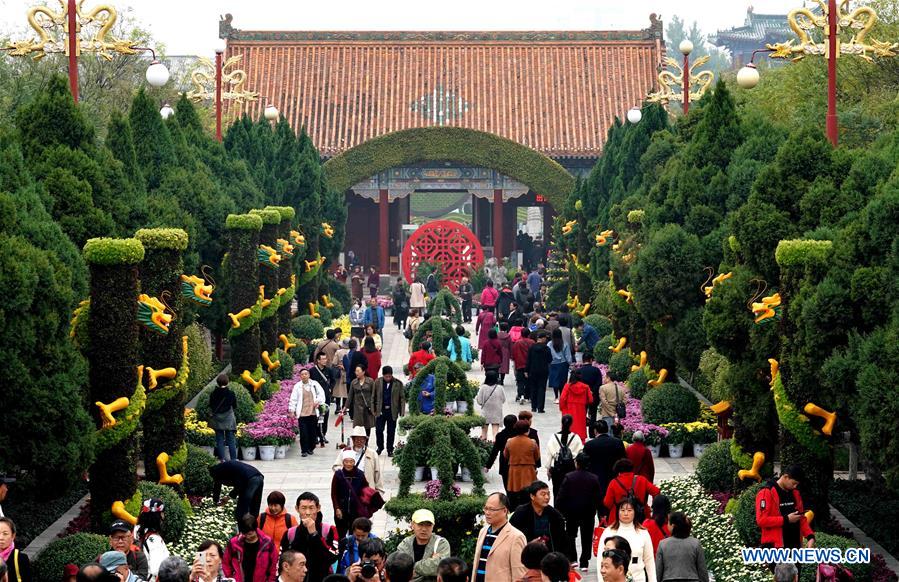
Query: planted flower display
column 208, row 522
column 197, row 432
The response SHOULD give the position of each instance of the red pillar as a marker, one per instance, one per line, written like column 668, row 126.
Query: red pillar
column 686, row 84
column 498, row 223
column 383, row 231
column 218, row 96
column 833, row 42
column 73, row 48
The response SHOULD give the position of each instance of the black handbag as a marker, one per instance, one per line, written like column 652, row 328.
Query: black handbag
column 620, row 407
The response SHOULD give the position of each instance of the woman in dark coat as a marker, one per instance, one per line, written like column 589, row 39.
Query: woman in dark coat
column 491, row 352
column 346, row 493
column 222, row 403
column 400, row 306
column 506, row 343
column 537, row 371
column 364, row 408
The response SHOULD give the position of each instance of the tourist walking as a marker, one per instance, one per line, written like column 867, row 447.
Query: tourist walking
column 391, row 393
column 357, row 282
column 372, row 356
column 373, row 282
column 222, row 403
column 305, row 398
column 346, row 493
column 400, row 305
column 625, row 523
column 17, row 562
column 489, row 296
column 417, row 296
column 464, row 354
column 641, row 457
column 578, row 500
column 592, row 377
column 432, row 286
column 491, row 352
column 149, row 531
column 322, row 373
column 357, row 318
column 538, row 520
column 374, row 316
column 519, row 357
column 499, row 445
column 276, row 520
column 491, row 398
column 312, row 537
column 497, row 554
column 505, row 343
column 604, row 451
column 484, row 323
column 657, row 525
column 562, row 449
column 575, row 399
column 504, row 303
column 681, row 557
column 611, row 399
column 626, row 485
column 537, row 372
column 523, row 455
column 425, row 547
column 367, row 459
column 362, row 404
column 466, row 292
column 558, row 368
column 250, row 556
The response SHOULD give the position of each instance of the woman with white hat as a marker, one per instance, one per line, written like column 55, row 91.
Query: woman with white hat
column 346, row 492
column 367, row 459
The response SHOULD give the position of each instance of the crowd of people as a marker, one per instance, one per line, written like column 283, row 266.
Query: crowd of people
column 592, row 478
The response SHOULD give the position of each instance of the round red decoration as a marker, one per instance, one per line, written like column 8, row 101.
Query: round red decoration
column 449, row 243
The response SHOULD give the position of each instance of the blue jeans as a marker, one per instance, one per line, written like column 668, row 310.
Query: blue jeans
column 220, row 436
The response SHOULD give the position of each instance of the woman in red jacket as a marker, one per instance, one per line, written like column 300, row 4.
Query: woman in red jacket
column 251, row 556
column 491, row 352
column 657, row 525
column 373, row 356
column 626, row 484
column 576, row 396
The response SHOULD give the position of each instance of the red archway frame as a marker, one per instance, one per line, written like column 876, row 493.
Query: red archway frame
column 449, row 243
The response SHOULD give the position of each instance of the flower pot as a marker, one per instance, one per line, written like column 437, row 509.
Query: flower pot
column 461, row 406
column 466, row 474
column 419, row 473
column 676, row 451
column 656, row 450
column 267, row 452
column 699, row 449
column 210, row 450
column 281, row 451
column 248, row 453
column 434, row 473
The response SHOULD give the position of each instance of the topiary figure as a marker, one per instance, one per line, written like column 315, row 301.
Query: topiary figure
column 285, row 370
column 670, row 402
column 445, row 373
column 442, row 332
column 716, row 469
column 445, row 304
column 324, row 315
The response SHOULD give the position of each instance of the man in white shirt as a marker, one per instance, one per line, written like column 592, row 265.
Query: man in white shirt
column 305, row 398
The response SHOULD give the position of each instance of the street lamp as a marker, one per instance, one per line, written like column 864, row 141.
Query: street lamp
column 832, row 22
column 271, row 112
column 166, row 111
column 682, row 74
column 52, row 26
column 220, row 47
column 234, row 78
column 634, row 115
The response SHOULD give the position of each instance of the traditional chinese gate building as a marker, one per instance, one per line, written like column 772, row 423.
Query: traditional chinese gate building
column 534, row 104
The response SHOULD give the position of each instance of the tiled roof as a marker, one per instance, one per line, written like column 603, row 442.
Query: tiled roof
column 557, row 92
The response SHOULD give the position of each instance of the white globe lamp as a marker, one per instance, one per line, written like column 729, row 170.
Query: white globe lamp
column 271, row 112
column 634, row 115
column 157, row 74
column 166, row 111
column 748, row 76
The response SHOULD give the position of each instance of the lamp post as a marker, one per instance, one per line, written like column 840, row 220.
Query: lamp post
column 46, row 23
column 228, row 83
column 692, row 86
column 219, row 54
column 831, row 22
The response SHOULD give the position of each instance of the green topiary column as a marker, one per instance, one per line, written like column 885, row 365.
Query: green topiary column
column 112, row 355
column 803, row 263
column 243, row 304
column 163, row 420
column 286, row 271
column 269, row 276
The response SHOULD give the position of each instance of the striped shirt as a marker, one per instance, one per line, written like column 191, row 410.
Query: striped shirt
column 489, row 540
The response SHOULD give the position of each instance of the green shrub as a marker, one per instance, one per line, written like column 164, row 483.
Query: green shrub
column 325, row 316
column 601, row 323
column 306, row 327
column 620, row 365
column 709, row 381
column 744, row 516
column 670, row 402
column 826, row 540
column 601, row 352
column 340, row 296
column 246, row 406
column 175, row 509
column 79, row 548
column 199, row 355
column 639, row 383
column 285, row 372
column 854, row 499
column 197, row 480
column 716, row 469
column 300, row 354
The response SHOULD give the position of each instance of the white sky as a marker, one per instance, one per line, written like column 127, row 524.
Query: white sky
column 190, row 27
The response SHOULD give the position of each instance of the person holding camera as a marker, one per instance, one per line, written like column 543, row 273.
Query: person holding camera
column 425, row 547
column 372, row 565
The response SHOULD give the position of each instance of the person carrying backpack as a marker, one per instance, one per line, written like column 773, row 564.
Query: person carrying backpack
column 563, row 447
column 276, row 520
column 627, row 484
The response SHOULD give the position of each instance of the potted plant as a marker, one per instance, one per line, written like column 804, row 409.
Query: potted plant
column 702, row 434
column 198, row 432
column 246, row 444
column 678, row 436
column 653, row 439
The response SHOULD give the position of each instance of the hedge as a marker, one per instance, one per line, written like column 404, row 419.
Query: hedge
column 268, row 215
column 670, row 402
column 306, row 327
column 113, row 251
column 243, row 222
column 174, row 239
column 286, row 212
column 80, row 548
column 793, row 253
column 716, row 469
column 744, row 516
column 457, row 144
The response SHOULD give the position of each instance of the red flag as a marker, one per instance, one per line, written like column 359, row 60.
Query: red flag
column 338, row 420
